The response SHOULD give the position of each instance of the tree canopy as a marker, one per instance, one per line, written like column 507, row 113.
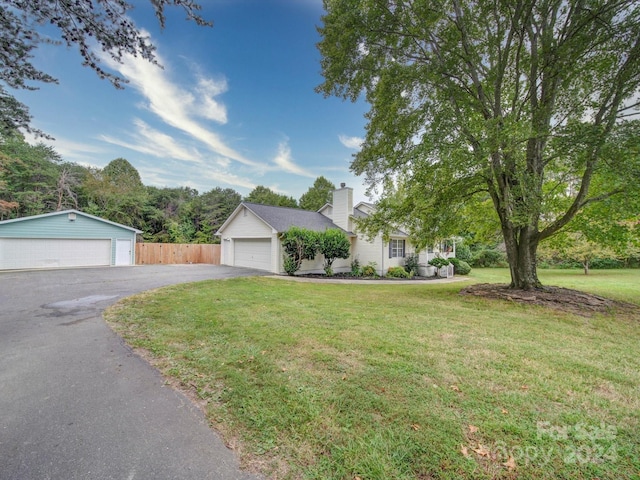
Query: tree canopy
column 318, row 195
column 90, row 25
column 266, row 196
column 525, row 105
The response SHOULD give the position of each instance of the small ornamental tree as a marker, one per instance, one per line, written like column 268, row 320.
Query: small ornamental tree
column 333, row 244
column 298, row 244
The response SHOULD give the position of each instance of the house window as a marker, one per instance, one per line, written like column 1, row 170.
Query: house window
column 446, row 246
column 396, row 248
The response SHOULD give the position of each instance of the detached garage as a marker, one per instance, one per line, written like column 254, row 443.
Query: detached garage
column 65, row 239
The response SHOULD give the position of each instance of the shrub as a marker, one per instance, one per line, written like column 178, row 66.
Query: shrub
column 369, row 270
column 463, row 252
column 398, row 272
column 333, row 243
column 289, row 265
column 489, row 257
column 606, row 263
column 411, row 263
column 439, row 262
column 355, row 267
column 298, row 244
column 460, row 267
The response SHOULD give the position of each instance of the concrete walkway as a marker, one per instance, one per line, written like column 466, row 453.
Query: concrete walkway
column 76, row 403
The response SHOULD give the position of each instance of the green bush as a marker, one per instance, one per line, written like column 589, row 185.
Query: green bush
column 356, row 271
column 289, row 265
column 460, row 267
column 439, row 262
column 411, row 263
column 298, row 244
column 606, row 263
column 332, row 244
column 489, row 257
column 463, row 252
column 369, row 270
column 398, row 272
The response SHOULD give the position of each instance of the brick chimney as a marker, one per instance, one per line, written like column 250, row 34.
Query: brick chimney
column 343, row 207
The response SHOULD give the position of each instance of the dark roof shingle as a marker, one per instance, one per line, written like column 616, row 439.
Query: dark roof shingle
column 283, row 218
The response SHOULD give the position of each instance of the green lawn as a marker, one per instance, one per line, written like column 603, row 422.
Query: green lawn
column 327, row 381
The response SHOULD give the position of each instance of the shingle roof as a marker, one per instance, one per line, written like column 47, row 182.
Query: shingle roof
column 283, row 218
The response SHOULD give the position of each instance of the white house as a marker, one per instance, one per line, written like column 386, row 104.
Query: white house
column 251, row 236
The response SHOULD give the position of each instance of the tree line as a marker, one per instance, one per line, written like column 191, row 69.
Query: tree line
column 35, row 179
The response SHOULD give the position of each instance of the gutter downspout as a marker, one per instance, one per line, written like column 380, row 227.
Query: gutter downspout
column 382, row 262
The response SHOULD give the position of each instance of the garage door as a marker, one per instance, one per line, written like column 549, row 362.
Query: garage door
column 252, row 253
column 53, row 252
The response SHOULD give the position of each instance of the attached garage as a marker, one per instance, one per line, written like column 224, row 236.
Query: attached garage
column 250, row 237
column 252, row 253
column 65, row 239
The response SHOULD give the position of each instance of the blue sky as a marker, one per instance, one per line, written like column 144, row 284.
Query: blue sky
column 234, row 106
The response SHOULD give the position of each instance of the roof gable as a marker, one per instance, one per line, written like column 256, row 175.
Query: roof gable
column 281, row 219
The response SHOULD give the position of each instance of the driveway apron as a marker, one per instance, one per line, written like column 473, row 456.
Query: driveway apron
column 76, row 403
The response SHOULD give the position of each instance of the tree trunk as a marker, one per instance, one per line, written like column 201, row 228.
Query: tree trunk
column 522, row 244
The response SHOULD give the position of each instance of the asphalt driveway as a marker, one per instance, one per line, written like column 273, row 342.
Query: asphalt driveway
column 76, row 403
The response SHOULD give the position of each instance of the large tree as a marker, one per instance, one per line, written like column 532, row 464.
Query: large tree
column 266, row 196
column 116, row 192
column 516, row 101
column 29, row 177
column 91, row 25
column 318, row 195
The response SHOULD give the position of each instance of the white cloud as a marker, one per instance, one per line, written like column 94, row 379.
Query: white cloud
column 69, row 150
column 208, row 107
column 285, row 162
column 178, row 107
column 351, row 142
column 149, row 141
column 195, row 176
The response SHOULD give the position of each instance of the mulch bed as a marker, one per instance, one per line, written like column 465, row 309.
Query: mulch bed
column 556, row 298
column 348, row 276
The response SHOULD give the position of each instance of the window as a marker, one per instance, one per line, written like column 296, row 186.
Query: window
column 396, row 248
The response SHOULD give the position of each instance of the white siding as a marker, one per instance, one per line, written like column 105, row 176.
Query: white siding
column 53, row 252
column 343, row 208
column 367, row 252
column 247, row 226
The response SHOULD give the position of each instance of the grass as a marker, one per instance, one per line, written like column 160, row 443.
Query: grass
column 326, row 381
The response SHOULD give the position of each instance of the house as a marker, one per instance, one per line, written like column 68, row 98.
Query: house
column 251, row 236
column 68, row 238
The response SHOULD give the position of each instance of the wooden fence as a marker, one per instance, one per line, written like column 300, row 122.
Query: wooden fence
column 176, row 253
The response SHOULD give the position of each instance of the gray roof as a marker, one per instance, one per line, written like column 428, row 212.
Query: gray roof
column 283, row 218
column 359, row 213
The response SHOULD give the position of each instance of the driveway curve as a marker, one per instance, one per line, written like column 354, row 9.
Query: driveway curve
column 76, row 403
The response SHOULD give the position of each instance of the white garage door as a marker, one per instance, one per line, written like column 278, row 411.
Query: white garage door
column 252, row 253
column 53, row 252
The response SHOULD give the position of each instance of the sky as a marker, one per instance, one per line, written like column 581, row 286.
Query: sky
column 233, row 107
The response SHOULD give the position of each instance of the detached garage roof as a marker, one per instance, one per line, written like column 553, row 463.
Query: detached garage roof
column 70, row 214
column 283, row 218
